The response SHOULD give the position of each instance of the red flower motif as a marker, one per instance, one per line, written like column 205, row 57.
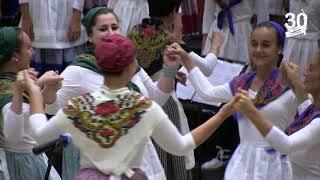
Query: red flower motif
column 132, row 122
column 145, row 53
column 149, row 32
column 106, row 133
column 106, row 109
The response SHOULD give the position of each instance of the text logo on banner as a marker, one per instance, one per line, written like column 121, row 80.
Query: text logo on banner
column 297, row 24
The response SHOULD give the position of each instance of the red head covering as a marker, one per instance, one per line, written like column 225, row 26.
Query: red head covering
column 114, row 53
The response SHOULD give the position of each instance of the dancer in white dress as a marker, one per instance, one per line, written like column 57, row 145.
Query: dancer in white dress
column 302, row 48
column 301, row 140
column 236, row 33
column 254, row 159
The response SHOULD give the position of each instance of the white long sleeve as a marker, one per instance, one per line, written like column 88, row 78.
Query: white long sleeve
column 205, row 89
column 16, row 129
column 169, row 138
column 207, row 64
column 71, row 86
column 149, row 87
column 77, row 80
column 305, row 138
column 13, row 125
column 208, row 16
column 44, row 130
column 165, row 134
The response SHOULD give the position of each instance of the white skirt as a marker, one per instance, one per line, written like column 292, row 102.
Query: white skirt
column 251, row 161
column 234, row 47
column 301, row 51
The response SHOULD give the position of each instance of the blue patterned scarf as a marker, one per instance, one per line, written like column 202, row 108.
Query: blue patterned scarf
column 304, row 119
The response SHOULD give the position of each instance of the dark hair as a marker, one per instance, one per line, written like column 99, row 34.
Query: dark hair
column 163, row 8
column 279, row 32
column 103, row 11
column 19, row 39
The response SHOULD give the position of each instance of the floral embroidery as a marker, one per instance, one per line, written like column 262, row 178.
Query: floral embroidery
column 105, row 122
column 106, row 109
column 150, row 42
column 6, row 86
column 88, row 57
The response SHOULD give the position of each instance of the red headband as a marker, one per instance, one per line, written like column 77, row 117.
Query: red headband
column 114, row 53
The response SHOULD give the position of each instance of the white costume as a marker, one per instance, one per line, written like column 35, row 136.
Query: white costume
column 127, row 153
column 252, row 160
column 130, row 13
column 302, row 146
column 79, row 80
column 302, row 48
column 234, row 47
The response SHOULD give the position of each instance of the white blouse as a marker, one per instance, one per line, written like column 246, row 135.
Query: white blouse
column 78, row 80
column 230, row 48
column 164, row 133
column 51, row 19
column 251, row 159
column 16, row 129
column 303, row 148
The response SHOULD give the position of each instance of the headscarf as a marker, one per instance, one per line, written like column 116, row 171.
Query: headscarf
column 279, row 29
column 114, row 53
column 88, row 19
column 8, row 43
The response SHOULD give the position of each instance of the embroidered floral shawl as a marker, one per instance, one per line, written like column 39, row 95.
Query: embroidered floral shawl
column 150, row 39
column 107, row 121
column 110, row 127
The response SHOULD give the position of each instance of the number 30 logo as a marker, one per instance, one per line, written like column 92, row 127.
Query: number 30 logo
column 296, row 24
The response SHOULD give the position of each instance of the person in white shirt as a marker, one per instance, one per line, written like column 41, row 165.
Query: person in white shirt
column 301, row 49
column 16, row 140
column 151, row 36
column 301, row 138
column 55, row 29
column 233, row 18
column 120, row 121
column 253, row 159
column 84, row 76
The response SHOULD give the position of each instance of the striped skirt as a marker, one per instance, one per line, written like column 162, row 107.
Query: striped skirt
column 174, row 166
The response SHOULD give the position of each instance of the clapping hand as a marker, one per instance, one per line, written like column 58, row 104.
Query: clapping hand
column 49, row 78
column 291, row 74
column 26, row 80
column 172, row 60
column 229, row 108
column 51, row 82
